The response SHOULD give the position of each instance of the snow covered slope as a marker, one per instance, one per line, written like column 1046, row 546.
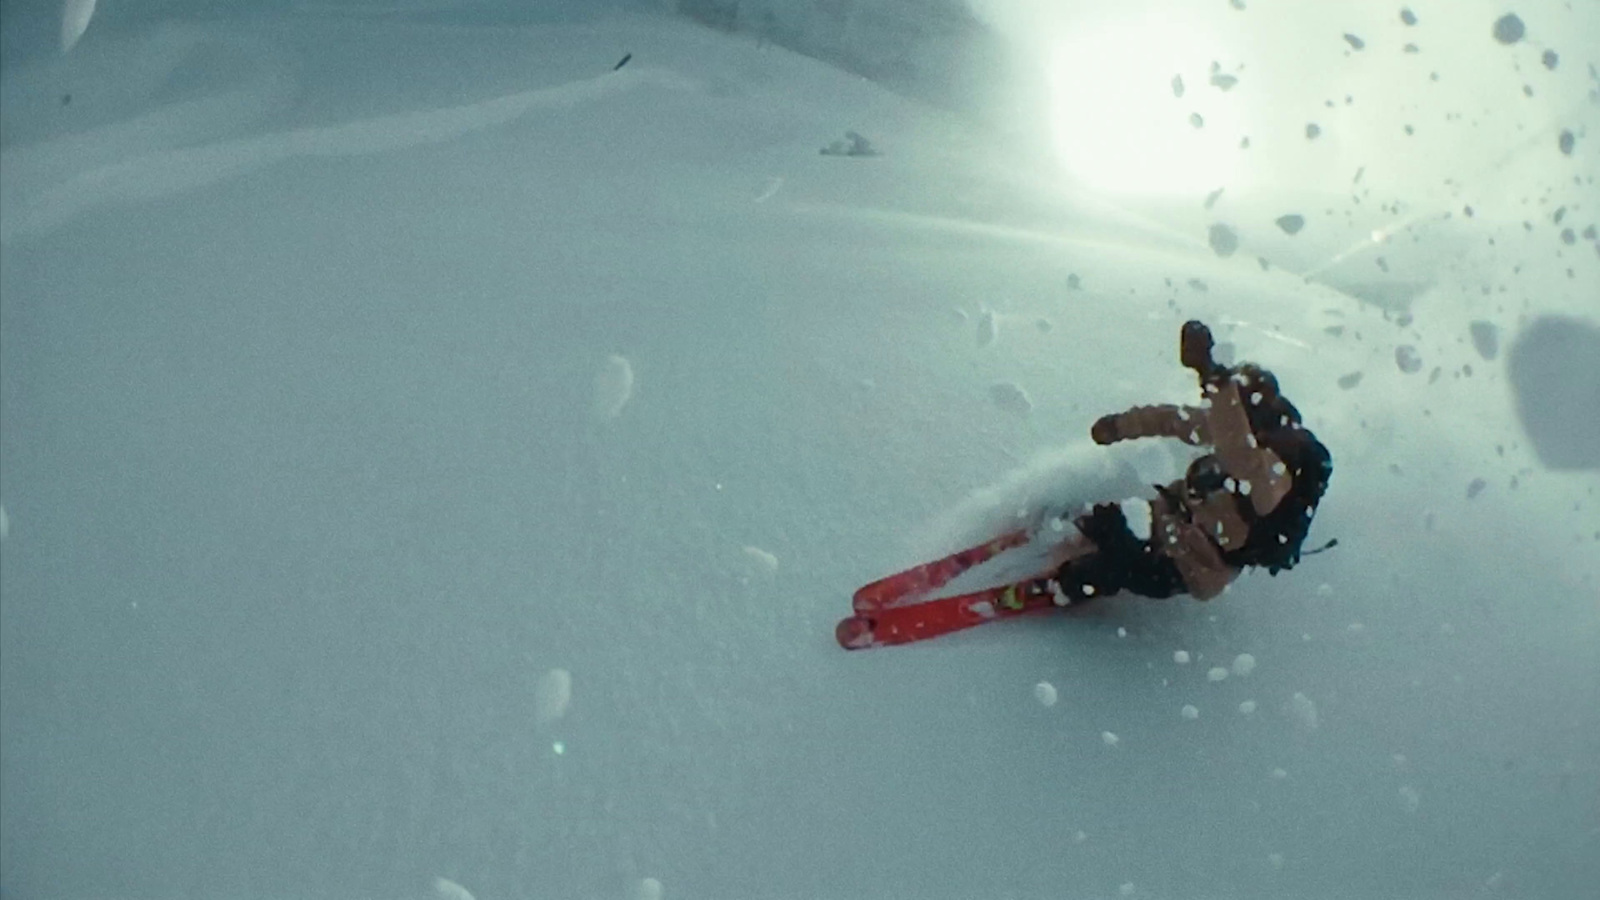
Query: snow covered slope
column 434, row 452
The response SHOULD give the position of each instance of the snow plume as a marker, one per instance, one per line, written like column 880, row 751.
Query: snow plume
column 1056, row 484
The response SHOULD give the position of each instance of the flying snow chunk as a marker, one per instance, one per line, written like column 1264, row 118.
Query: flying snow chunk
column 1247, row 707
column 1303, row 710
column 5, row 523
column 1410, row 798
column 1223, row 240
column 1045, row 693
column 1110, row 739
column 445, row 889
column 1279, row 774
column 1190, row 711
column 1244, row 664
column 1485, row 338
column 1217, row 673
column 761, row 559
column 613, row 387
column 1408, row 359
column 1126, row 890
column 1011, row 398
column 1291, row 223
column 1181, row 657
column 1508, row 29
column 1275, row 860
column 552, row 696
column 648, row 889
column 75, row 16
column 988, row 328
column 1139, row 515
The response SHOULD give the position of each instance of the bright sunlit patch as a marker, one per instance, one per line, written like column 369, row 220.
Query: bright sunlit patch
column 1118, row 119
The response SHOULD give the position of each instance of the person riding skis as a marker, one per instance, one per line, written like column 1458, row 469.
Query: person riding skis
column 1248, row 502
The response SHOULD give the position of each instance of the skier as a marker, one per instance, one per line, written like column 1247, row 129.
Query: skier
column 1248, row 502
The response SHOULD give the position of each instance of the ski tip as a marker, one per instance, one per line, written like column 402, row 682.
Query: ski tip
column 855, row 633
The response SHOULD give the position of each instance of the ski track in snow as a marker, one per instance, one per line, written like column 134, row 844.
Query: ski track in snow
column 174, row 171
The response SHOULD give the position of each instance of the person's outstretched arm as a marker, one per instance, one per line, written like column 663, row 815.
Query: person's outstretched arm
column 1263, row 475
column 1186, row 423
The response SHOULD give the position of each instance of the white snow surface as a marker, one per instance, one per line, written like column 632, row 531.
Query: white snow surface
column 322, row 461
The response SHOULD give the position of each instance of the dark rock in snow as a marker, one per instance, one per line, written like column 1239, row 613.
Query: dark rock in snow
column 1211, row 198
column 1349, row 381
column 1223, row 81
column 1407, row 16
column 1554, row 370
column 1177, row 86
column 1550, row 59
column 1312, row 130
column 1508, row 29
column 1354, row 42
column 1222, row 239
column 1566, row 142
column 1476, row 487
column 1486, row 338
column 1291, row 223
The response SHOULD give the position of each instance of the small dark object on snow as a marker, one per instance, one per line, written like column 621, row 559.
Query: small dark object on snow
column 1508, row 29
column 1550, row 59
column 1291, row 223
column 66, row 99
column 1177, row 86
column 1476, row 487
column 1354, row 42
column 622, row 62
column 1312, row 131
column 1407, row 16
column 1566, row 141
column 1349, row 381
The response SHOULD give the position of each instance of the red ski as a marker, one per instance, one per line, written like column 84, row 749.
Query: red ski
column 902, row 588
column 919, row 621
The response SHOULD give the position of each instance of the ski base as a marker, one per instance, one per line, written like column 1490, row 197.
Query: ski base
column 932, row 618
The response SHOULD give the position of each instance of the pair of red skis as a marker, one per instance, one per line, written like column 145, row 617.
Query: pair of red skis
column 890, row 610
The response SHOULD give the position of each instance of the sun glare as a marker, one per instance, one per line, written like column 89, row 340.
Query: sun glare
column 1142, row 106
